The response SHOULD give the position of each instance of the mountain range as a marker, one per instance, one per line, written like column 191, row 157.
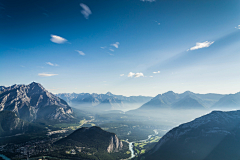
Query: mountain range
column 190, row 100
column 210, row 137
column 168, row 100
column 106, row 101
column 33, row 102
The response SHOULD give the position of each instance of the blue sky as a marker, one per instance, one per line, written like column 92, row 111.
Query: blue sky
column 128, row 47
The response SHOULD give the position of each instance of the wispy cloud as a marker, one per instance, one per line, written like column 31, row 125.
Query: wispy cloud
column 57, row 39
column 103, row 47
column 157, row 23
column 111, row 50
column 156, row 72
column 51, row 64
column 238, row 27
column 136, row 75
column 45, row 14
column 121, row 75
column 148, row 0
column 200, row 45
column 46, row 74
column 85, row 10
column 22, row 66
column 151, row 76
column 80, row 52
column 116, row 45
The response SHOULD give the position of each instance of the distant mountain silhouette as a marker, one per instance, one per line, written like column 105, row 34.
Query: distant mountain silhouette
column 186, row 100
column 187, row 103
column 231, row 101
column 106, row 101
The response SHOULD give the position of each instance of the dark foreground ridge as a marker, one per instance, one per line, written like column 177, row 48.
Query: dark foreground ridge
column 93, row 137
column 215, row 136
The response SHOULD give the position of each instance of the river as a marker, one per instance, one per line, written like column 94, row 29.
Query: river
column 131, row 143
column 4, row 157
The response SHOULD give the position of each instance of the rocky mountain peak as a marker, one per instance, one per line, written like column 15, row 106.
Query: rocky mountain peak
column 33, row 101
column 109, row 94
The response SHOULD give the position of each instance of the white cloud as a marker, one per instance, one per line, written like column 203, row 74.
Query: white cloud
column 201, row 45
column 80, row 52
column 238, row 27
column 111, row 50
column 86, row 10
column 121, row 75
column 151, row 76
column 57, row 39
column 103, row 47
column 46, row 74
column 139, row 75
column 131, row 74
column 51, row 64
column 116, row 45
column 156, row 72
column 148, row 0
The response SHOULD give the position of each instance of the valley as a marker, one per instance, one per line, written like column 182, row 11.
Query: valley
column 137, row 131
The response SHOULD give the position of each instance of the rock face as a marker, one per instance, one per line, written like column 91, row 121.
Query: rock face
column 213, row 136
column 114, row 145
column 33, row 102
column 93, row 137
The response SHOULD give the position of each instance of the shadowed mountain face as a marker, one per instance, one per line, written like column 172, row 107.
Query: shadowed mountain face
column 33, row 102
column 215, row 136
column 186, row 100
column 10, row 124
column 231, row 101
column 187, row 103
column 106, row 101
column 93, row 137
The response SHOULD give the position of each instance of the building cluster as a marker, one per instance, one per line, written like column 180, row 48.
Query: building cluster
column 29, row 149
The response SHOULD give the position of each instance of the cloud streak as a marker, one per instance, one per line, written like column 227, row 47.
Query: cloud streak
column 148, row 0
column 57, row 39
column 136, row 75
column 200, row 45
column 156, row 72
column 116, row 45
column 238, row 27
column 46, row 75
column 51, row 64
column 85, row 10
column 80, row 52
